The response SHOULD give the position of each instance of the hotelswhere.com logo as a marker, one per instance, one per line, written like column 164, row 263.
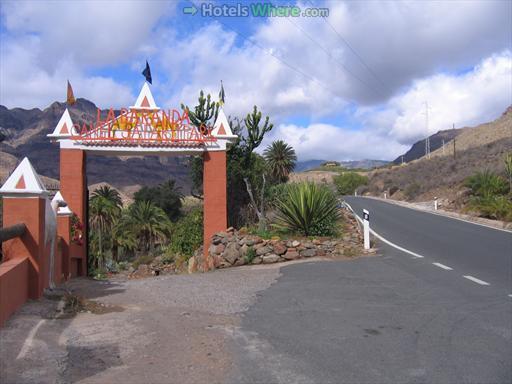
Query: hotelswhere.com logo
column 254, row 10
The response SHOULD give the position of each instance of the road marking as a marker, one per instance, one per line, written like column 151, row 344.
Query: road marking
column 29, row 340
column 397, row 203
column 443, row 266
column 509, row 295
column 475, row 280
column 383, row 239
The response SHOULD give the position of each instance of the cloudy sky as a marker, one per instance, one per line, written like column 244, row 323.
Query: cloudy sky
column 349, row 86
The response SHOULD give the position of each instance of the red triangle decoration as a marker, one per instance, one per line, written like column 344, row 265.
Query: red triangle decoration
column 64, row 130
column 145, row 102
column 222, row 131
column 21, row 183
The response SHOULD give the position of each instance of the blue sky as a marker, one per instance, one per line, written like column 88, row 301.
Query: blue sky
column 350, row 86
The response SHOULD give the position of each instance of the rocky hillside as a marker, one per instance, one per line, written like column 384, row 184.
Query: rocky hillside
column 25, row 133
column 479, row 148
column 436, row 141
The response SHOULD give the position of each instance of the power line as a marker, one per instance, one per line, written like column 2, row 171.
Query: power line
column 352, row 50
column 343, row 66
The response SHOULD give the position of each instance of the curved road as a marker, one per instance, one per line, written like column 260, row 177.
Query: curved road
column 393, row 318
column 471, row 249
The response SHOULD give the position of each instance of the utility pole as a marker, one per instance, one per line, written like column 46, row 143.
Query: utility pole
column 453, row 127
column 443, row 147
column 427, row 140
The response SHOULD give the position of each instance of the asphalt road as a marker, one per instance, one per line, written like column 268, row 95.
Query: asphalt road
column 393, row 318
column 469, row 249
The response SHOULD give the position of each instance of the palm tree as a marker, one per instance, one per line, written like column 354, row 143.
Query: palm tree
column 280, row 159
column 148, row 223
column 110, row 194
column 102, row 214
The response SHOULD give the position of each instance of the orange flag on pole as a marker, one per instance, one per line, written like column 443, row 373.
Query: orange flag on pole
column 71, row 97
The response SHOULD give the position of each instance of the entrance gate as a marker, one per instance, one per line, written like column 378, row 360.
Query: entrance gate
column 142, row 129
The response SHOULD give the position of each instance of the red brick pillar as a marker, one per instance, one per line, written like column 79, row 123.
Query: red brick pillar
column 64, row 236
column 215, row 195
column 73, row 187
column 31, row 212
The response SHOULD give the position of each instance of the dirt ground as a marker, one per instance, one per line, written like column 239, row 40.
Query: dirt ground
column 168, row 329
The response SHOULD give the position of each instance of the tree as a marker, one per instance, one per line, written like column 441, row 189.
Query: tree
column 347, row 182
column 280, row 158
column 203, row 113
column 166, row 196
column 148, row 223
column 110, row 194
column 102, row 214
column 255, row 135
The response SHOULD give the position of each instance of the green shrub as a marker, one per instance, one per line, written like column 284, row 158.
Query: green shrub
column 347, row 182
column 493, row 207
column 144, row 259
column 487, row 184
column 412, row 190
column 187, row 233
column 308, row 208
column 250, row 255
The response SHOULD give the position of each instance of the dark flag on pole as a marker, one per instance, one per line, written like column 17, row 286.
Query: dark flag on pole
column 70, row 97
column 147, row 73
column 222, row 95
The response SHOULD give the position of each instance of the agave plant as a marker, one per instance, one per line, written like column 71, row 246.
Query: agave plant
column 308, row 208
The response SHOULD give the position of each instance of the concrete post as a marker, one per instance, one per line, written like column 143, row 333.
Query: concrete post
column 366, row 228
column 435, row 203
column 215, row 197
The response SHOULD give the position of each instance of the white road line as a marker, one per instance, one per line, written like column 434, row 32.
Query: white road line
column 443, row 266
column 383, row 239
column 509, row 295
column 475, row 280
column 29, row 340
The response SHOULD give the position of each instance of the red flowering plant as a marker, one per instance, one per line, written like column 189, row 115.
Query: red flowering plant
column 76, row 230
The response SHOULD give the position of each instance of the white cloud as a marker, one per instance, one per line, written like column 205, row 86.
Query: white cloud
column 45, row 43
column 325, row 141
column 477, row 96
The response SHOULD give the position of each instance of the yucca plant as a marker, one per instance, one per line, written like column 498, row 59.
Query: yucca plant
column 308, row 208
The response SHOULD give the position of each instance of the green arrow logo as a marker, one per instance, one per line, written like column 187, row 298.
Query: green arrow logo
column 190, row 10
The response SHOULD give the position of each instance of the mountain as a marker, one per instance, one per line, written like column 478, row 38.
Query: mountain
column 479, row 148
column 308, row 165
column 25, row 133
column 302, row 166
column 436, row 141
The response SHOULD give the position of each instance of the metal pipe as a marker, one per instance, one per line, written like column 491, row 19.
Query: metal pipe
column 8, row 233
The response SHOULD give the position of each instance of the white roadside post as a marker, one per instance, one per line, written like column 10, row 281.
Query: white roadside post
column 366, row 228
column 435, row 203
column 385, row 195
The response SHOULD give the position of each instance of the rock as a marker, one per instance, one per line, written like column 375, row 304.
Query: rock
column 308, row 252
column 192, row 265
column 231, row 253
column 275, row 238
column 143, row 268
column 216, row 240
column 263, row 250
column 291, row 255
column 218, row 249
column 309, row 245
column 279, row 249
column 256, row 260
column 230, row 229
column 239, row 262
column 243, row 250
column 271, row 258
column 316, row 242
column 295, row 243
